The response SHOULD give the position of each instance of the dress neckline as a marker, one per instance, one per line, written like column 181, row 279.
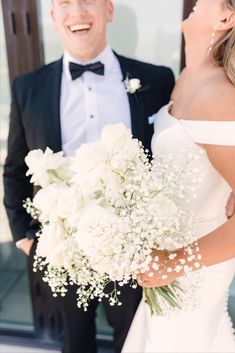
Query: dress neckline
column 188, row 121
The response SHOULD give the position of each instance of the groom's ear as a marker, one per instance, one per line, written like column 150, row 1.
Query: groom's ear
column 226, row 23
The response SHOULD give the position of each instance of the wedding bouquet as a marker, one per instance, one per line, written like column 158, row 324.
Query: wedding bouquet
column 102, row 213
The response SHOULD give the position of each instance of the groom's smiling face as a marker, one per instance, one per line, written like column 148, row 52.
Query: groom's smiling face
column 82, row 25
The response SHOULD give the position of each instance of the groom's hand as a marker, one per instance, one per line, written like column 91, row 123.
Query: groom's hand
column 26, row 246
column 230, row 206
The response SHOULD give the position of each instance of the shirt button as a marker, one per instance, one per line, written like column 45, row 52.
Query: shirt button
column 91, row 116
column 89, row 89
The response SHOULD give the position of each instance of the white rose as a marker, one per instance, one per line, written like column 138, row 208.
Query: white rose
column 129, row 152
column 70, row 203
column 51, row 244
column 45, row 201
column 90, row 182
column 87, row 157
column 115, row 136
column 132, row 85
column 58, row 201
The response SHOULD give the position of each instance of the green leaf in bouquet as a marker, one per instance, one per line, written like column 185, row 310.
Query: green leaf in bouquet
column 56, row 176
column 164, row 297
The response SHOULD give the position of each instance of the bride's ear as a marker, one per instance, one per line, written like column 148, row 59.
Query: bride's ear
column 226, row 23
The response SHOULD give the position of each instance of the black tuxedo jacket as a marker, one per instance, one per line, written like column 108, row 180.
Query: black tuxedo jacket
column 35, row 123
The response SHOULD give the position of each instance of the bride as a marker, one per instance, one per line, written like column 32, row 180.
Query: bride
column 202, row 116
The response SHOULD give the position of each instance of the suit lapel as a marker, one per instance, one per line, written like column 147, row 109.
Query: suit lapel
column 135, row 100
column 53, row 107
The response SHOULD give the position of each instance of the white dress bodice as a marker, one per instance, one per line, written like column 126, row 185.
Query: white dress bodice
column 208, row 327
column 176, row 136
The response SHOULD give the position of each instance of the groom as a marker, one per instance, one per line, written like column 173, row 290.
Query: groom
column 63, row 105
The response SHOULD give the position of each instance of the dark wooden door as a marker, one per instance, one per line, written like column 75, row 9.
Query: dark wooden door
column 24, row 47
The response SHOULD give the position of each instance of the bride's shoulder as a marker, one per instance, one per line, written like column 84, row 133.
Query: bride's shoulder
column 217, row 98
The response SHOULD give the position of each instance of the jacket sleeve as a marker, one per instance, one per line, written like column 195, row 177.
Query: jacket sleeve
column 17, row 186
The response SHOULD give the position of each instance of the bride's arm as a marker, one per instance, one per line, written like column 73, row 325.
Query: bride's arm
column 215, row 247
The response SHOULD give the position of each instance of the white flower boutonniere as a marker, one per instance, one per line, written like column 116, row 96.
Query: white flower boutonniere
column 132, row 84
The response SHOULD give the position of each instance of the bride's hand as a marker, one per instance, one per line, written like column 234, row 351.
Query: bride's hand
column 159, row 277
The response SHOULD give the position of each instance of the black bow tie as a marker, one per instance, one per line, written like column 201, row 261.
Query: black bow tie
column 77, row 70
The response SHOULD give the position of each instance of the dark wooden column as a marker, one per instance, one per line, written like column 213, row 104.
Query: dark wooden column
column 24, row 47
column 188, row 6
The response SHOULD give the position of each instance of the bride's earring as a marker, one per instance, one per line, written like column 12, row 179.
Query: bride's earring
column 212, row 41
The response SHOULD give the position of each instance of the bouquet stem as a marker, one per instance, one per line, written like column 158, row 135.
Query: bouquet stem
column 161, row 299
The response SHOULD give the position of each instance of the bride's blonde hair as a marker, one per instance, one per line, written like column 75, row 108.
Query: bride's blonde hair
column 223, row 51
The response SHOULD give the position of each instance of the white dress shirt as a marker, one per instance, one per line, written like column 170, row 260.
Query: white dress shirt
column 91, row 101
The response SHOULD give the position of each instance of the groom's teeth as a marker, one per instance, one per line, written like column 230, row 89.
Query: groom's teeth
column 80, row 27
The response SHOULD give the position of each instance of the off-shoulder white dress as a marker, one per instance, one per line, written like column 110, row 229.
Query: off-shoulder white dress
column 207, row 328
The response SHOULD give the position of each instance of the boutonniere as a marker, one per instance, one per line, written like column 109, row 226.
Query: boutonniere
column 132, row 85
